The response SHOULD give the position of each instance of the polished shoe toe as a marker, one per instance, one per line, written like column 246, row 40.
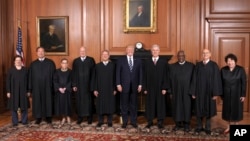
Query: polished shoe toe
column 124, row 125
column 49, row 121
column 148, row 126
column 110, row 124
column 135, row 125
column 38, row 121
column 99, row 124
column 208, row 132
column 176, row 128
column 160, row 126
column 25, row 123
column 198, row 130
column 79, row 121
column 187, row 129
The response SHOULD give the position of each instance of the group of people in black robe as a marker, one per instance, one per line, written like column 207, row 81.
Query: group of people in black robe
column 51, row 89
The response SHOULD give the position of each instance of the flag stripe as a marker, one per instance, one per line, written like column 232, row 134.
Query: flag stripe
column 19, row 46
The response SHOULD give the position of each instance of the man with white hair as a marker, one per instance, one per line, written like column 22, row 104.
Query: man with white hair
column 140, row 19
column 50, row 40
column 205, row 88
column 155, row 86
column 83, row 68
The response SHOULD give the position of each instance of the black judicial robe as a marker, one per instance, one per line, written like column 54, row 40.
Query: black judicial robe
column 41, row 85
column 82, row 75
column 105, row 85
column 155, row 80
column 63, row 79
column 234, row 87
column 206, row 83
column 17, row 86
column 180, row 81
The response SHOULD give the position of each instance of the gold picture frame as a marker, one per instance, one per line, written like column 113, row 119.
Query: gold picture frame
column 140, row 15
column 52, row 34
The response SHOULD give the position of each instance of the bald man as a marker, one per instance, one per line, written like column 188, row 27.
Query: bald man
column 83, row 68
column 206, row 86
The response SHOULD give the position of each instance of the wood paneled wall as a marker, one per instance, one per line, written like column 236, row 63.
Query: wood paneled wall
column 228, row 31
column 6, row 46
column 98, row 24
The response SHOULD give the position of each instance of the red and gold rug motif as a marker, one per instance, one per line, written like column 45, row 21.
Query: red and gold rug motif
column 85, row 132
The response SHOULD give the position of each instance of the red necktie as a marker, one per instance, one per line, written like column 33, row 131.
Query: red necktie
column 155, row 61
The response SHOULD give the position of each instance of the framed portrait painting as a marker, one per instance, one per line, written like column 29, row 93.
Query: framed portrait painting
column 139, row 15
column 52, row 34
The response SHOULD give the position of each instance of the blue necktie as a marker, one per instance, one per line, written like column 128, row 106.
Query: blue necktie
column 130, row 64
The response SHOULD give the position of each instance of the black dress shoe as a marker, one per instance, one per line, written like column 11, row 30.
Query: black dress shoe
column 208, row 132
column 25, row 123
column 176, row 128
column 89, row 118
column 124, row 126
column 14, row 125
column 89, row 122
column 160, row 126
column 79, row 121
column 198, row 130
column 149, row 125
column 134, row 125
column 110, row 124
column 49, row 120
column 186, row 129
column 38, row 121
column 99, row 124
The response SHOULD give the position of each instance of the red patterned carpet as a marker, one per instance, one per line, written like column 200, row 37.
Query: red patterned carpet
column 84, row 132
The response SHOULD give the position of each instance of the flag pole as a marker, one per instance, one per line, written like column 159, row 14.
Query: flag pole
column 18, row 23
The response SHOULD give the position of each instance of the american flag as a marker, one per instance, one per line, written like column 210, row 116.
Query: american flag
column 19, row 46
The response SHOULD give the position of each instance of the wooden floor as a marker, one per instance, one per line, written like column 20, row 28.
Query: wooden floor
column 5, row 118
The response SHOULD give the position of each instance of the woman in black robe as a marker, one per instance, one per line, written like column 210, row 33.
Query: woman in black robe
column 17, row 91
column 234, row 91
column 62, row 86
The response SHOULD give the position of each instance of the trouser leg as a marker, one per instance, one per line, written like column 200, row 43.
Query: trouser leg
column 110, row 118
column 100, row 118
column 24, row 117
column 14, row 117
column 208, row 124
column 199, row 123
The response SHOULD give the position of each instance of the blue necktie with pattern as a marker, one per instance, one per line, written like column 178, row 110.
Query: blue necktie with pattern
column 130, row 64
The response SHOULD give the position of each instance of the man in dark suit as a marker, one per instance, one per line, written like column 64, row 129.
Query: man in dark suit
column 140, row 19
column 129, row 83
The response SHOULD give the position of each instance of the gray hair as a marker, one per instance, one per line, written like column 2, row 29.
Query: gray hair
column 155, row 46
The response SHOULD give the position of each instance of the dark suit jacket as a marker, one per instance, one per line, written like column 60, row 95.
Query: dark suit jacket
column 124, row 77
column 140, row 21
